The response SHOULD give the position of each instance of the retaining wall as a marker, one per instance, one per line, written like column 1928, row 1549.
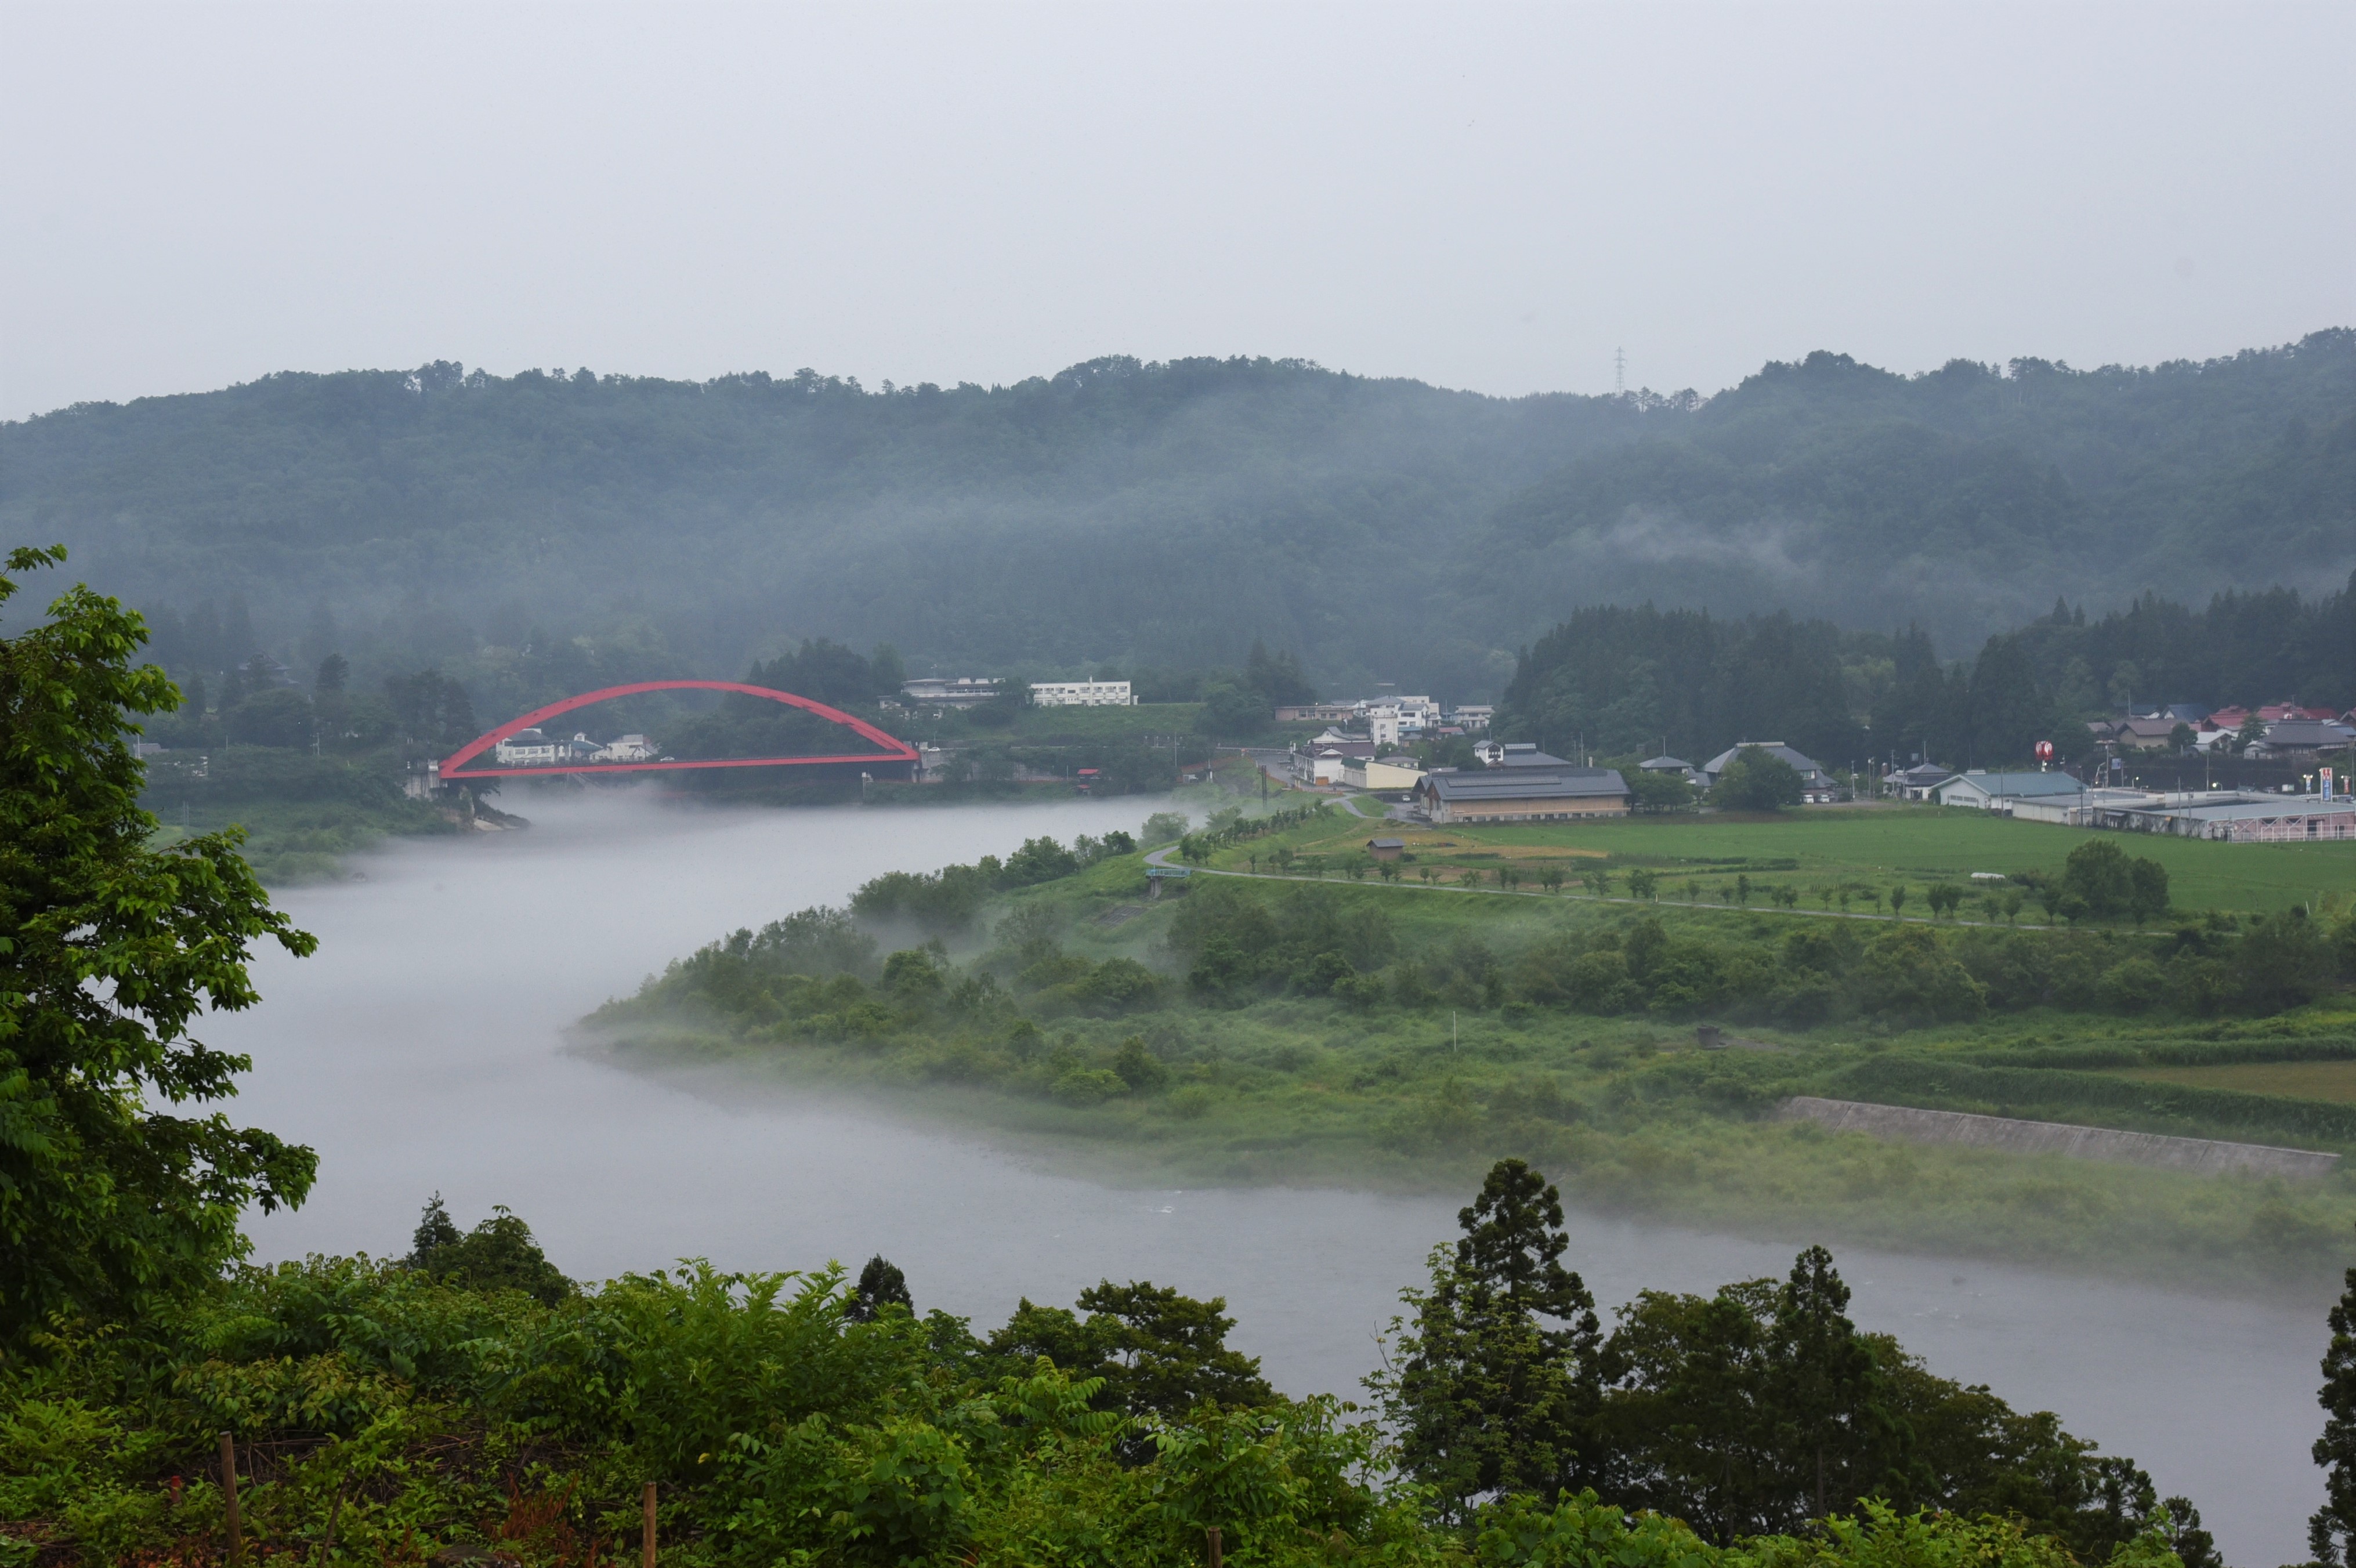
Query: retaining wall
column 2204, row 1157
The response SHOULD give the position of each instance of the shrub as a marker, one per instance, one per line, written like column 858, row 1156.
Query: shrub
column 1757, row 780
column 1087, row 1086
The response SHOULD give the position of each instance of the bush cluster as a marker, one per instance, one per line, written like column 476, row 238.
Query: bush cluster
column 946, row 902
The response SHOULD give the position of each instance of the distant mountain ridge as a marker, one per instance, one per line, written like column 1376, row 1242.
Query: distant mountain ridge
column 1170, row 513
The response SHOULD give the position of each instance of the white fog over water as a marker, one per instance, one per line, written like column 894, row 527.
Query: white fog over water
column 422, row 1050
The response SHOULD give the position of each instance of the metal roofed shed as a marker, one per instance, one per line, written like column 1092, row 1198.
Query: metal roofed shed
column 2239, row 819
column 1385, row 849
column 1985, row 790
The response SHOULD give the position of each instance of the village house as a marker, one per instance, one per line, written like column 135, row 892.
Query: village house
column 1817, row 787
column 2300, row 739
column 626, row 749
column 1397, row 771
column 1918, row 782
column 530, row 749
column 1321, row 762
column 2136, row 734
column 1675, row 767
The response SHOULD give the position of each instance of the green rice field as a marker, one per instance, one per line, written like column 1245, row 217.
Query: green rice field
column 1874, row 845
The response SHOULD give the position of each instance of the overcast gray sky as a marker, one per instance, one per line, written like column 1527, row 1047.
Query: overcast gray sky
column 1494, row 196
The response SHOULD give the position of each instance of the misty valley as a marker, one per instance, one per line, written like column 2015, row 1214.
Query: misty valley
column 963, row 1009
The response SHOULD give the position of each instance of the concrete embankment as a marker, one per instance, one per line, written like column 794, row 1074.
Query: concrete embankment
column 2204, row 1157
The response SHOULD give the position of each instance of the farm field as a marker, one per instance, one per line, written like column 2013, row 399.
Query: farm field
column 1866, row 846
column 2334, row 1081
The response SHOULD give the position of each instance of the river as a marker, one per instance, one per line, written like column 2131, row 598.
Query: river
column 422, row 1049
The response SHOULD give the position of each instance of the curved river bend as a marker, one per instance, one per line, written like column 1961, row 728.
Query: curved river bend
column 422, row 1049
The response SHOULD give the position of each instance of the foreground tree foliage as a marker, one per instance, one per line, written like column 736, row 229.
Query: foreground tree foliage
column 1755, row 1411
column 111, row 1201
column 388, row 1415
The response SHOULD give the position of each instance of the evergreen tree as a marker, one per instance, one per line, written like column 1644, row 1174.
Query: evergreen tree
column 2331, row 1532
column 1498, row 1383
column 881, row 1285
column 1823, row 1385
column 435, row 1230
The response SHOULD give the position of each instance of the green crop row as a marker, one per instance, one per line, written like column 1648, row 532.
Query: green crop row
column 1957, row 1085
column 2115, row 1054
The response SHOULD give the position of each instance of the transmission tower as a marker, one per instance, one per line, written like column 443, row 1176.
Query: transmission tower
column 1619, row 372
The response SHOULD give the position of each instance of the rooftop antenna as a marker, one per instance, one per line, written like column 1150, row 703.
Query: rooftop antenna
column 1619, row 372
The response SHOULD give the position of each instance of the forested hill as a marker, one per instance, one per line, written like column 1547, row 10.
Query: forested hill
column 1172, row 512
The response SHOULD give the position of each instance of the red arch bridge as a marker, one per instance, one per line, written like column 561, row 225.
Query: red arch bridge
column 892, row 758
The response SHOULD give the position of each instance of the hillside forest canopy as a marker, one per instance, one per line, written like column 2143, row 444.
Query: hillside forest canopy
column 550, row 531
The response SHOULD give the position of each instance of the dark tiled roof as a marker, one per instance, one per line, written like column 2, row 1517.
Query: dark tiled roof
column 2306, row 732
column 1564, row 783
column 1801, row 762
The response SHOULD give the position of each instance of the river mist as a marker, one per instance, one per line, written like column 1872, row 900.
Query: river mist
column 422, row 1050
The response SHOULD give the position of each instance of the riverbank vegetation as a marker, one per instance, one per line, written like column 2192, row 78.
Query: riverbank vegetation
column 1535, row 992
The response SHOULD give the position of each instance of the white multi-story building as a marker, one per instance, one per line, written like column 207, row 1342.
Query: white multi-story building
column 1383, row 725
column 1082, row 694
